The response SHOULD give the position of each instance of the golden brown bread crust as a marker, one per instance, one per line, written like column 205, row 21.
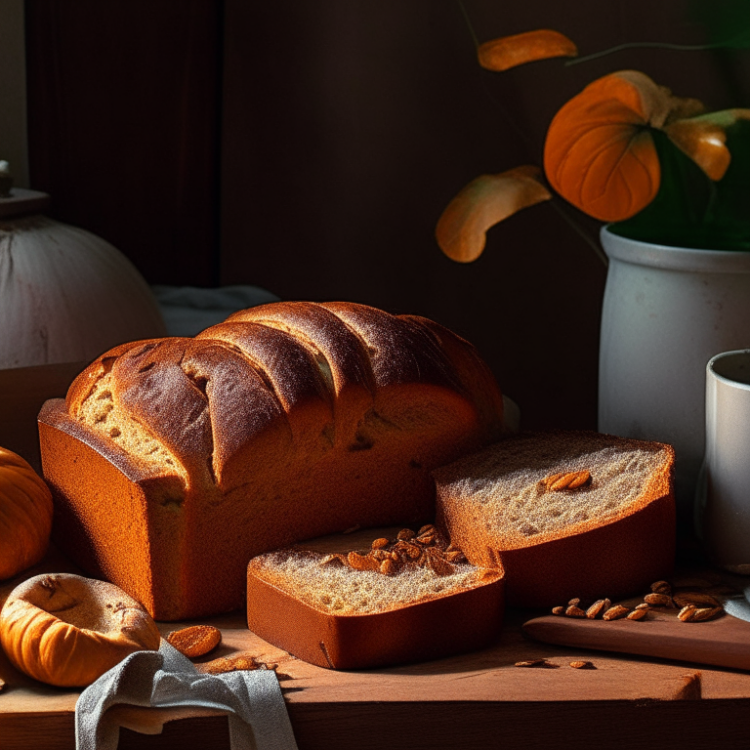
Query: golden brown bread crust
column 288, row 421
column 432, row 628
column 612, row 558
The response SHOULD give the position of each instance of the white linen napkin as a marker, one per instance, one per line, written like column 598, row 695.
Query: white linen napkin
column 739, row 606
column 257, row 715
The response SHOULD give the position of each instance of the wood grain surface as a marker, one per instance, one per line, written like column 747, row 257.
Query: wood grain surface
column 478, row 700
column 724, row 642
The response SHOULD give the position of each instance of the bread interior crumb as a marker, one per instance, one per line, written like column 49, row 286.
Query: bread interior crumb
column 100, row 412
column 341, row 590
column 504, row 488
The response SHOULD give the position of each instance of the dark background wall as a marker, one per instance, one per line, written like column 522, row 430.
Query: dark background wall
column 309, row 148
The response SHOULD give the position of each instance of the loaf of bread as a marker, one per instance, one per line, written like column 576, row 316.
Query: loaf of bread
column 174, row 461
column 570, row 514
column 374, row 598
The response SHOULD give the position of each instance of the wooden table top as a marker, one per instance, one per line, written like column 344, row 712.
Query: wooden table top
column 478, row 700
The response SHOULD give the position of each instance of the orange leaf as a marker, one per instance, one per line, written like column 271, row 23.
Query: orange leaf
column 599, row 154
column 703, row 139
column 509, row 51
column 485, row 201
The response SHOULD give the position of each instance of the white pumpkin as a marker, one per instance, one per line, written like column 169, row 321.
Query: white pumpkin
column 67, row 295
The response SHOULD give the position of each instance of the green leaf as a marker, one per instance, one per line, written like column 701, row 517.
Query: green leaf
column 692, row 211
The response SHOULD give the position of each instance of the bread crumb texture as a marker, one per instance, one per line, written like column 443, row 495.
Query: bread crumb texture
column 503, row 487
column 100, row 412
column 340, row 590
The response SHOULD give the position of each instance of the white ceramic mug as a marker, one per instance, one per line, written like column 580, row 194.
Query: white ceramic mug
column 723, row 502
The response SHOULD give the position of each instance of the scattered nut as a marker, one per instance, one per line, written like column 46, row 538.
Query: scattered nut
column 414, row 551
column 658, row 600
column 582, row 665
column 571, row 480
column 196, row 640
column 558, row 610
column 533, row 663
column 699, row 614
column 428, row 549
column 362, row 562
column 574, row 602
column 661, row 587
column 643, row 605
column 615, row 613
column 599, row 606
column 242, row 661
column 574, row 611
column 637, row 614
column 686, row 613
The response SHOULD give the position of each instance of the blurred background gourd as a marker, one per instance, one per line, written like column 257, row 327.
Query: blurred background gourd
column 66, row 295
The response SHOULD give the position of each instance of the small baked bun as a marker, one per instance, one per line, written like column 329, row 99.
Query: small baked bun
column 374, row 598
column 67, row 630
column 570, row 514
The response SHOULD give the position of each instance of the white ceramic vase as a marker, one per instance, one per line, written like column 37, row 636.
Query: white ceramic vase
column 666, row 312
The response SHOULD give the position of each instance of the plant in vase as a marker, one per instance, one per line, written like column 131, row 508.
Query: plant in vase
column 672, row 183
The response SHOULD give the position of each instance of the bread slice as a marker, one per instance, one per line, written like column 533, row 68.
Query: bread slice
column 527, row 501
column 173, row 461
column 341, row 611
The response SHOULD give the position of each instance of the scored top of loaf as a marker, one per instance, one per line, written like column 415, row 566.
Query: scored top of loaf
column 173, row 405
column 176, row 460
column 505, row 489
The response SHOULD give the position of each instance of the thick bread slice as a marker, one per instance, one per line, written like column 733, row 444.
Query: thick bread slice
column 173, row 461
column 306, row 601
column 611, row 537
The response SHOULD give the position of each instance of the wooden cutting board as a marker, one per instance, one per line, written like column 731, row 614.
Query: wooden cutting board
column 723, row 642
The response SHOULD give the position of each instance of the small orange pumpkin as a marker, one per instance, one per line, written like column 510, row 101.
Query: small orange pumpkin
column 25, row 515
column 67, row 630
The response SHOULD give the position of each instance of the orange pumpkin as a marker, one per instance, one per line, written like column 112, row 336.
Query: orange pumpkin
column 67, row 630
column 25, row 515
